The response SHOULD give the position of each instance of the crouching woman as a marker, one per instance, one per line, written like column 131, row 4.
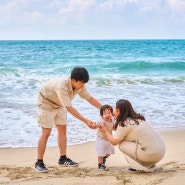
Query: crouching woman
column 141, row 145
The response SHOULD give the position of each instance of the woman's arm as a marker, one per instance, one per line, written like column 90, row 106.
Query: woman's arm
column 109, row 136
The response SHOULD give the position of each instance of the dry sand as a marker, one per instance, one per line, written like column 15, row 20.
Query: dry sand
column 17, row 166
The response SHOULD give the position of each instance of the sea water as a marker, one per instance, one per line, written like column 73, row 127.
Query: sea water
column 149, row 73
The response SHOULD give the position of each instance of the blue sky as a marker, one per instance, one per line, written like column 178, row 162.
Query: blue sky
column 92, row 19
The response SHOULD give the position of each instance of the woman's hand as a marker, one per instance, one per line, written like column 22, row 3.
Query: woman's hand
column 109, row 136
column 103, row 129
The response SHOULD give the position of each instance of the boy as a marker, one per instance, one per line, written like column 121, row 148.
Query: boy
column 54, row 100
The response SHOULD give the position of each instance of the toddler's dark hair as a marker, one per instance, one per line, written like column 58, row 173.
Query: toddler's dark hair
column 102, row 109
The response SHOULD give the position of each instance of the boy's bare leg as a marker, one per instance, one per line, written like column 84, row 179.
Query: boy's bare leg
column 62, row 139
column 42, row 142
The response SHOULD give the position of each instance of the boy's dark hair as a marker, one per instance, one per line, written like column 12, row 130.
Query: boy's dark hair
column 102, row 109
column 80, row 74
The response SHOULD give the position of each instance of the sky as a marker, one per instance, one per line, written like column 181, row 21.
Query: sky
column 91, row 19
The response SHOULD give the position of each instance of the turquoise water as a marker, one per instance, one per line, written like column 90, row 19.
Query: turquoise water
column 150, row 73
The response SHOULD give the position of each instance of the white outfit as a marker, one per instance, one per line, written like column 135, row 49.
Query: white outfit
column 103, row 146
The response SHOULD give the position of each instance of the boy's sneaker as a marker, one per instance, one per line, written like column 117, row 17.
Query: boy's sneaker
column 40, row 167
column 102, row 167
column 67, row 162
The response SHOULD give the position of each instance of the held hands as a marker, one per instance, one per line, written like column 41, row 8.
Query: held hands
column 91, row 124
column 95, row 125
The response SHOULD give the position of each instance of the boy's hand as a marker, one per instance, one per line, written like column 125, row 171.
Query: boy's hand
column 91, row 124
column 94, row 125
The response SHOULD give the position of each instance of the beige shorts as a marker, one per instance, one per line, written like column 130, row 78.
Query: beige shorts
column 49, row 118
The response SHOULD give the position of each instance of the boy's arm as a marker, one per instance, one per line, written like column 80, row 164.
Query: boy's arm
column 93, row 101
column 76, row 114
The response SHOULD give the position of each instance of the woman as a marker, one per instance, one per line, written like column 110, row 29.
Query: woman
column 139, row 142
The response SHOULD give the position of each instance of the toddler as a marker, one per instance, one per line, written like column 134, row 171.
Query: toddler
column 103, row 147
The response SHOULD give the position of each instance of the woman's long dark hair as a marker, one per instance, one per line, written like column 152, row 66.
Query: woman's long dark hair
column 126, row 111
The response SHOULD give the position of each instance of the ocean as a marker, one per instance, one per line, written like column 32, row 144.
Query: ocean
column 149, row 73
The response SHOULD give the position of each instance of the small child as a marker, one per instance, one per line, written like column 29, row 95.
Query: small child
column 103, row 147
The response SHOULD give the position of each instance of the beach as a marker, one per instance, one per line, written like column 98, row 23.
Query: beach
column 17, row 165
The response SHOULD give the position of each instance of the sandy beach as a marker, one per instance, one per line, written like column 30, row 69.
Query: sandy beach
column 17, row 165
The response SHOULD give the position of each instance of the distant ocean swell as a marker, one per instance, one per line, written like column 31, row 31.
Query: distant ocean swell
column 19, row 80
column 111, row 81
column 96, row 67
column 126, row 72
